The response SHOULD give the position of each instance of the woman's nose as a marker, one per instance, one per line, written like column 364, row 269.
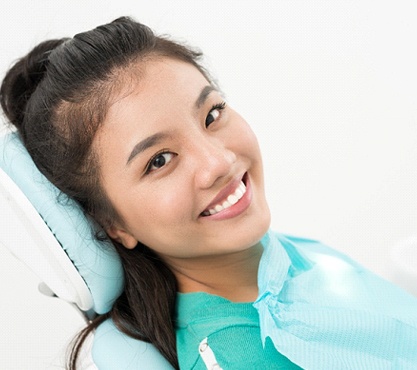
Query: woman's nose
column 214, row 162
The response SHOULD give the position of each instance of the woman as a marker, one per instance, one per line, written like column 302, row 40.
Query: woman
column 132, row 127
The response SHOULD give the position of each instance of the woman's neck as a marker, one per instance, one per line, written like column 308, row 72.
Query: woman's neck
column 232, row 276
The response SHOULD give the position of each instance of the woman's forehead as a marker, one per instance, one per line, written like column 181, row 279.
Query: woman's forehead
column 158, row 81
column 168, row 92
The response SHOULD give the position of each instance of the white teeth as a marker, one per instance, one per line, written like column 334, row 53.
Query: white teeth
column 231, row 200
column 239, row 193
column 226, row 204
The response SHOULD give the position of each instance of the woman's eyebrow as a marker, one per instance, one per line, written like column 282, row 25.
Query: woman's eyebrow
column 203, row 95
column 147, row 143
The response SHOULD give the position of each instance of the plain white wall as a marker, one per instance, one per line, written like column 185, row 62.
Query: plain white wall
column 328, row 86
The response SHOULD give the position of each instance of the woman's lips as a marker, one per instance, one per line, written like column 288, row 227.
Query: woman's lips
column 231, row 201
column 228, row 202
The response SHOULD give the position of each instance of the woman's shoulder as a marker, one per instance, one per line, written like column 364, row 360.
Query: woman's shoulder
column 223, row 332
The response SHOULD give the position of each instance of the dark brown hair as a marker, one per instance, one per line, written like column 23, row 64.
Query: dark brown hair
column 57, row 97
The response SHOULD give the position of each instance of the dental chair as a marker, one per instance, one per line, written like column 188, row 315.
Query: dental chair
column 51, row 235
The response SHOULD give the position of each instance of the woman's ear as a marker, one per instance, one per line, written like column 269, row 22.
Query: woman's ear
column 122, row 236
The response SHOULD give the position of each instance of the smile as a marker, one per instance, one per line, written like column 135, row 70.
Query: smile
column 230, row 201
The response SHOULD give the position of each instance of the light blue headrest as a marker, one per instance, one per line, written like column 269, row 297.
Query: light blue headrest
column 113, row 349
column 97, row 262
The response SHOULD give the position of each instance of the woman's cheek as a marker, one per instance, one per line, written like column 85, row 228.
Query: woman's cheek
column 167, row 200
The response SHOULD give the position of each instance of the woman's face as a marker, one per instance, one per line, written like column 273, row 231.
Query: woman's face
column 182, row 169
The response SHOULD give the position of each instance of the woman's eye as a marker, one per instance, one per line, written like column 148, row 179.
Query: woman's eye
column 159, row 160
column 214, row 113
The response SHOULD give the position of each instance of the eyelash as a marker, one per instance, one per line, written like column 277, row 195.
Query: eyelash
column 156, row 155
column 219, row 107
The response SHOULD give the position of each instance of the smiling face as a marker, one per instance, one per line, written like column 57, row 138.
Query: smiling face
column 181, row 168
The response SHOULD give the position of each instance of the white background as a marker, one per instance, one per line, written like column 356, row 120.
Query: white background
column 330, row 88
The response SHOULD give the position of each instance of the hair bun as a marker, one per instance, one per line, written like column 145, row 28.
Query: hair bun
column 22, row 79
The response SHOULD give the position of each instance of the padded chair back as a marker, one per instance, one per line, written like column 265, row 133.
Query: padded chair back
column 50, row 233
column 52, row 236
